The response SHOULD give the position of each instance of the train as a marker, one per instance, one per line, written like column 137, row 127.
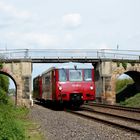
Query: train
column 69, row 83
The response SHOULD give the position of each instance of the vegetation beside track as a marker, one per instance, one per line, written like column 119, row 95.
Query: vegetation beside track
column 4, row 86
column 16, row 125
column 11, row 127
column 14, row 121
column 132, row 102
column 122, row 83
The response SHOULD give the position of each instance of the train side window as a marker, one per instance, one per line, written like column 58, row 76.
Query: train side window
column 88, row 75
column 47, row 79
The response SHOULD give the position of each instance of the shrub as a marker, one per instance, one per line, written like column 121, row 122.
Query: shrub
column 4, row 86
column 3, row 97
column 11, row 128
column 4, row 82
column 1, row 65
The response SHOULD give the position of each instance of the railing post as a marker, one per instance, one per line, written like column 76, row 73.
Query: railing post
column 97, row 54
column 26, row 53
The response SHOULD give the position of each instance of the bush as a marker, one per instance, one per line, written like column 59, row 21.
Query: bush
column 1, row 65
column 4, row 86
column 4, row 82
column 11, row 128
column 3, row 97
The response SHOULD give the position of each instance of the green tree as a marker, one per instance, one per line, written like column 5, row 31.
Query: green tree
column 1, row 65
column 4, row 87
column 4, row 82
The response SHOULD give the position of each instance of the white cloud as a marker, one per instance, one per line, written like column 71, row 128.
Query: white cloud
column 13, row 11
column 71, row 20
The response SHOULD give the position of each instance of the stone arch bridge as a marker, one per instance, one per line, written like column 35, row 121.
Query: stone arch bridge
column 106, row 74
column 18, row 64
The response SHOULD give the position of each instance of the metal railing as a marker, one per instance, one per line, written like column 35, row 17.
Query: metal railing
column 69, row 53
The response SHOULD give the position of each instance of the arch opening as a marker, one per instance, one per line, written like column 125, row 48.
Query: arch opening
column 12, row 80
column 127, row 85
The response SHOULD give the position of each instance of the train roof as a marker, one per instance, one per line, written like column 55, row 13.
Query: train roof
column 71, row 65
column 37, row 77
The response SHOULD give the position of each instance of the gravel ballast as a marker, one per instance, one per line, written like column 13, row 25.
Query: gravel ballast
column 61, row 125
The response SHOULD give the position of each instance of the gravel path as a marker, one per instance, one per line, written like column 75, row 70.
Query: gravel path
column 60, row 125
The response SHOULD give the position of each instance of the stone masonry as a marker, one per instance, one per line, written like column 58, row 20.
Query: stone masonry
column 106, row 74
column 110, row 71
column 20, row 72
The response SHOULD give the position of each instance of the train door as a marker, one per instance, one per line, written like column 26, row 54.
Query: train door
column 53, row 85
column 46, row 86
column 40, row 87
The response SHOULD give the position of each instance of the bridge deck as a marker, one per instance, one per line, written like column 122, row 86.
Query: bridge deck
column 65, row 55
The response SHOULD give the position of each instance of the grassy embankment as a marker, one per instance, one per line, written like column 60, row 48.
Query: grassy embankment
column 15, row 124
column 132, row 101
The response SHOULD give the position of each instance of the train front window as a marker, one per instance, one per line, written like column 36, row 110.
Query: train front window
column 75, row 75
column 62, row 75
column 88, row 75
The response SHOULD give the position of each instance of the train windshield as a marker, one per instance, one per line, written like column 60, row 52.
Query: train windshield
column 75, row 75
column 62, row 75
column 88, row 75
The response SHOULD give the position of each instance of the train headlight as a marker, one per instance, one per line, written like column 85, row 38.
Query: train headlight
column 91, row 87
column 60, row 88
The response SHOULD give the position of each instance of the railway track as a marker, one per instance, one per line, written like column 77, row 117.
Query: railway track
column 118, row 120
column 117, row 107
column 127, row 112
column 121, row 116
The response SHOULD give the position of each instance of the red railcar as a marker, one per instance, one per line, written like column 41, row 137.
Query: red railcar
column 37, row 88
column 69, row 83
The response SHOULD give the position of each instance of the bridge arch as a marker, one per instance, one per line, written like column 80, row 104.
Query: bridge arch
column 135, row 75
column 15, row 80
column 131, row 72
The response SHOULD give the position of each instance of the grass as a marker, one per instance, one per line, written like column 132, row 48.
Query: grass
column 11, row 126
column 15, row 124
column 122, row 83
column 132, row 102
column 33, row 131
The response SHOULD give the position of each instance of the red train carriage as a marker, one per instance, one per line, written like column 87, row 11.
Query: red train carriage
column 69, row 82
column 37, row 88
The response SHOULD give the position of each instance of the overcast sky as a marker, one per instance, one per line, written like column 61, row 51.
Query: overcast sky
column 70, row 24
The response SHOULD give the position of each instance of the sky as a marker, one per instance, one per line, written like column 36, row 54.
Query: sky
column 69, row 24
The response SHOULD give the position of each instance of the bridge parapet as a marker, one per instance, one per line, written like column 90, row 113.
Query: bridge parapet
column 112, row 54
